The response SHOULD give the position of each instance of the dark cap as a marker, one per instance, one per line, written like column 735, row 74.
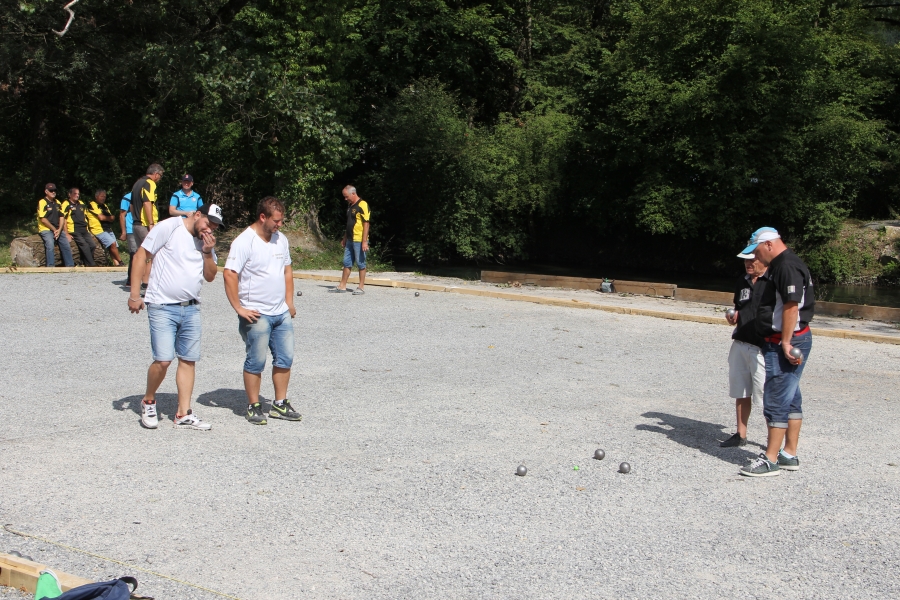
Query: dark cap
column 50, row 187
column 187, row 177
column 213, row 211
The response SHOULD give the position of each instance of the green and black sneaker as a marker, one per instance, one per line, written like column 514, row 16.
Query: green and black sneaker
column 284, row 411
column 761, row 467
column 255, row 414
column 788, row 464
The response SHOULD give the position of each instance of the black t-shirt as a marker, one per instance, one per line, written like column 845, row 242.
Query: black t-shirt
column 53, row 211
column 787, row 280
column 745, row 330
column 76, row 214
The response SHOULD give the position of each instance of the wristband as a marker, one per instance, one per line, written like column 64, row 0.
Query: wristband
column 210, row 252
column 134, row 299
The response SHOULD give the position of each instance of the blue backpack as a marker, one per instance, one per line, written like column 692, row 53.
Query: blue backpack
column 117, row 589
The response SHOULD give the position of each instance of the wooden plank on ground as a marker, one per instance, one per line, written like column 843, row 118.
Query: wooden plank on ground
column 579, row 283
column 21, row 574
column 707, row 296
column 874, row 313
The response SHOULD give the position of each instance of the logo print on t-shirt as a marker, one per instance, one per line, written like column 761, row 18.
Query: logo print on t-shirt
column 745, row 294
column 791, row 289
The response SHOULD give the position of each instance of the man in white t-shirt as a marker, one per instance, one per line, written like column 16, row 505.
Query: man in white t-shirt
column 183, row 253
column 259, row 283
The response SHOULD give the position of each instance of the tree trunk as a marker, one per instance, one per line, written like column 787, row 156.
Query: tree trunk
column 29, row 252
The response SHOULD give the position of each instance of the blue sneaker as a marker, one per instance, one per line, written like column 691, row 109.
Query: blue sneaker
column 788, row 464
column 761, row 467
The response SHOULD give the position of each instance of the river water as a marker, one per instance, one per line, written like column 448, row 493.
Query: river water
column 851, row 294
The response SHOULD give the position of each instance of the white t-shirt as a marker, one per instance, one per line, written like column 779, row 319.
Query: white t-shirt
column 177, row 273
column 260, row 268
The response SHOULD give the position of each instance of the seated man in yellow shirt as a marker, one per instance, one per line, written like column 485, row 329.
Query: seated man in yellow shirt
column 100, row 220
column 51, row 224
column 76, row 221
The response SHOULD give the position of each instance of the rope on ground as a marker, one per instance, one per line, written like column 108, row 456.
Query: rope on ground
column 118, row 562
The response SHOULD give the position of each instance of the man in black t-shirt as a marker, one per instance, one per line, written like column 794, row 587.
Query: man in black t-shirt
column 785, row 308
column 746, row 367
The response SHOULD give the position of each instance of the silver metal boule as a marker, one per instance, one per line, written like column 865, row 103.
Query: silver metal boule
column 299, row 293
column 599, row 454
column 796, row 353
column 521, row 471
column 417, row 294
column 624, row 468
column 730, row 313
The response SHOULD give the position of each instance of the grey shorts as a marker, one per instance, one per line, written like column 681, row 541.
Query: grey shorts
column 140, row 232
column 132, row 243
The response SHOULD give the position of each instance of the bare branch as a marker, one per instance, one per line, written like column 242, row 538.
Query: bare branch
column 68, row 9
column 886, row 20
column 891, row 5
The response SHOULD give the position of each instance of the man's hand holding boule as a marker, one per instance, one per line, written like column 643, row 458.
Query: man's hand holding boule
column 786, row 347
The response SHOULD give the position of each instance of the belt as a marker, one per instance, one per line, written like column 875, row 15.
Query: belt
column 776, row 337
column 185, row 303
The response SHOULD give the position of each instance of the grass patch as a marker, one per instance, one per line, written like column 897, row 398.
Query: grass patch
column 332, row 259
column 11, row 228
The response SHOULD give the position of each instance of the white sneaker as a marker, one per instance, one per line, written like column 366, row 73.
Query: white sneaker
column 148, row 415
column 191, row 421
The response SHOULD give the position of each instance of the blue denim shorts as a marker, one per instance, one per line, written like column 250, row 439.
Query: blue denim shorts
column 353, row 253
column 782, row 400
column 273, row 332
column 174, row 331
column 106, row 238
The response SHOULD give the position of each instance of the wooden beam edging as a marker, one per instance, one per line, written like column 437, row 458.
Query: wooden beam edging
column 22, row 574
column 573, row 303
column 63, row 269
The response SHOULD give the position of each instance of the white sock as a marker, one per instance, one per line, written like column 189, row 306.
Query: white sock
column 786, row 455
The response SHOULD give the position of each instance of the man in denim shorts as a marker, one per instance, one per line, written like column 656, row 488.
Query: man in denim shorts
column 184, row 256
column 259, row 283
column 786, row 306
column 356, row 240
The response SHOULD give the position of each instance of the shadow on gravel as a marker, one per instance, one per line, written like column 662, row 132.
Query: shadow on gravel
column 236, row 400
column 166, row 404
column 697, row 434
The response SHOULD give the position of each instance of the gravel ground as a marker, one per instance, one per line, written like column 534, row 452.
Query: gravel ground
column 400, row 480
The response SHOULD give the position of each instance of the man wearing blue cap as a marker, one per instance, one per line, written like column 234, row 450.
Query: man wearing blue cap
column 786, row 306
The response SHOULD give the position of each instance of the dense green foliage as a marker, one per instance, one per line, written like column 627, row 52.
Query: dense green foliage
column 476, row 130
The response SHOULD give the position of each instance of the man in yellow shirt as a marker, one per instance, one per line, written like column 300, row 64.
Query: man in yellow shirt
column 52, row 227
column 76, row 222
column 356, row 240
column 100, row 221
column 143, row 209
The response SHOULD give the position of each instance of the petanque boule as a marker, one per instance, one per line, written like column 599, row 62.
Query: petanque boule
column 417, row 294
column 730, row 313
column 624, row 468
column 599, row 454
column 521, row 471
column 299, row 293
column 796, row 353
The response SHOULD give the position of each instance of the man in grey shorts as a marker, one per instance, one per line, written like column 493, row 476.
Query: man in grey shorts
column 143, row 210
column 746, row 367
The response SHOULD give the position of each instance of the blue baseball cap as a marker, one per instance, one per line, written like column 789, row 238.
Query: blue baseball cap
column 763, row 234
